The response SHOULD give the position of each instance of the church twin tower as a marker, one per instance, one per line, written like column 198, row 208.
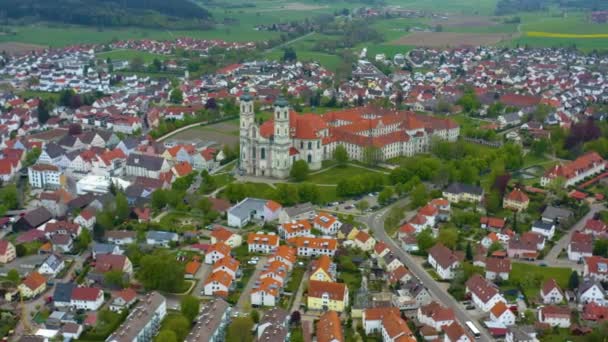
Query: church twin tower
column 264, row 149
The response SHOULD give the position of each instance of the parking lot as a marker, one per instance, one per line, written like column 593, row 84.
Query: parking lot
column 348, row 206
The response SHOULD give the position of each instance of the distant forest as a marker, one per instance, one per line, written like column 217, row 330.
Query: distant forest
column 144, row 13
column 513, row 6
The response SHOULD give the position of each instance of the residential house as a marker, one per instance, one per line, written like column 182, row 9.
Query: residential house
column 526, row 246
column 395, row 329
column 591, row 291
column 435, row 315
column 575, row 171
column 62, row 296
column 293, row 229
column 286, row 255
column 313, row 246
column 595, row 227
column 262, row 243
column 391, row 262
column 228, row 265
column 364, row 241
column 274, row 325
column 111, row 262
column 372, row 318
column 498, row 268
column 86, row 219
column 596, row 267
column 33, row 219
column 458, row 192
column 45, row 176
column 52, row 265
column 544, row 228
column 218, row 284
column 86, row 298
column 266, row 292
column 216, row 252
column 551, row 293
column 121, row 237
column 191, row 268
column 516, row 200
column 517, row 333
column 329, row 328
column 123, row 300
column 580, row 247
column 492, row 223
column 556, row 215
column 326, row 224
column 400, row 275
column 144, row 165
column 221, row 234
column 7, row 252
column 455, row 333
column 323, row 295
column 501, row 313
column 252, row 209
column 105, row 248
column 555, row 316
column 161, row 238
column 444, row 261
column 483, row 293
column 33, row 285
column 322, row 269
column 380, row 250
column 298, row 212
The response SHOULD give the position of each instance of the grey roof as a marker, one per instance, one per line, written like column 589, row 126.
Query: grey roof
column 414, row 287
column 511, row 117
column 160, row 235
column 299, row 209
column 459, row 188
column 586, row 284
column 244, row 208
column 521, row 333
column 130, row 142
column 139, row 317
column 53, row 150
column 148, row 162
column 346, row 228
column 208, row 321
column 552, row 213
column 53, row 261
column 273, row 333
column 63, row 292
column 103, row 248
column 37, row 216
column 275, row 315
column 542, row 225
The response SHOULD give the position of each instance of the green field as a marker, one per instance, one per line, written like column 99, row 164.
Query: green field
column 521, row 272
column 335, row 174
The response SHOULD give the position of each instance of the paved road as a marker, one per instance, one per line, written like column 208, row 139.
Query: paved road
column 376, row 222
column 552, row 256
column 244, row 300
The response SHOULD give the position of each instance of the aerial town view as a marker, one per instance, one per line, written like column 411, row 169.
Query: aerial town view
column 304, row 170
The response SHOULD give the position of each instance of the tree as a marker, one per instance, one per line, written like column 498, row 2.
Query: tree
column 137, row 64
column 239, row 330
column 166, row 336
column 469, row 102
column 255, row 316
column 190, row 306
column 13, row 276
column 83, row 240
column 20, row 250
column 425, row 240
column 573, row 281
column 299, row 170
column 177, row 96
column 114, row 279
column 289, row 55
column 600, row 247
column 44, row 109
column 362, row 205
column 448, row 237
column 32, row 156
column 495, row 246
column 295, row 318
column 179, row 325
column 161, row 272
column 469, row 252
column 122, row 207
column 493, row 201
column 385, row 195
column 372, row 155
column 419, row 196
column 341, row 155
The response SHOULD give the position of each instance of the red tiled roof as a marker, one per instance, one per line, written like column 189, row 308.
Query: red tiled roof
column 86, row 293
column 34, row 280
column 335, row 291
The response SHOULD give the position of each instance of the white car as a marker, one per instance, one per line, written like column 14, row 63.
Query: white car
column 255, row 258
column 252, row 262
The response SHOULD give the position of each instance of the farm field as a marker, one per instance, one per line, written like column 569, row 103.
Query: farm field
column 19, row 48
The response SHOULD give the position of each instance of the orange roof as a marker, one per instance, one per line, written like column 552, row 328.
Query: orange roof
column 221, row 277
column 440, row 202
column 395, row 326
column 362, row 236
column 376, row 314
column 428, row 210
column 221, row 233
column 34, row 280
column 498, row 309
column 220, row 247
column 407, row 229
column 182, row 169
column 324, row 220
column 175, row 149
column 262, row 239
column 329, row 328
column 292, row 227
column 269, row 285
column 517, row 196
column 335, row 291
column 192, row 267
column 312, row 242
column 324, row 262
column 285, row 253
column 227, row 262
column 580, row 164
column 273, row 206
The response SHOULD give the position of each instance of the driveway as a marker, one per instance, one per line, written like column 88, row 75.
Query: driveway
column 200, row 276
column 244, row 300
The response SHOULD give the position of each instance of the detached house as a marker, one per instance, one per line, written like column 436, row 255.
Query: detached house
column 86, row 298
column 483, row 293
column 364, row 241
column 444, row 261
column 498, row 268
column 544, row 228
column 7, row 252
column 435, row 315
column 596, row 267
column 323, row 295
column 33, row 285
column 262, row 243
column 516, row 200
column 216, row 252
column 221, row 234
column 555, row 316
column 580, row 246
column 591, row 291
column 326, row 223
column 458, row 192
column 500, row 313
column 551, row 293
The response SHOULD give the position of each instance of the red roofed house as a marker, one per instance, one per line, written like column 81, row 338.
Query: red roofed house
column 112, row 262
column 123, row 299
column 86, row 298
column 551, row 293
column 430, row 212
column 594, row 312
column 483, row 293
column 395, row 329
column 595, row 227
column 262, row 243
column 181, row 169
column 380, row 249
column 498, row 268
column 444, row 261
column 573, row 172
column 435, row 315
column 516, row 200
column 33, row 285
column 596, row 267
column 7, row 252
column 364, row 241
column 329, row 328
column 221, row 234
column 326, row 223
column 218, row 284
column 555, row 316
column 323, row 295
column 191, row 268
column 456, row 333
column 266, row 293
column 216, row 252
column 500, row 313
column 580, row 246
column 399, row 275
column 492, row 223
column 372, row 318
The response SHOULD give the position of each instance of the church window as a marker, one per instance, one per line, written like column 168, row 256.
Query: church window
column 310, row 158
column 310, row 145
column 301, row 144
column 263, row 153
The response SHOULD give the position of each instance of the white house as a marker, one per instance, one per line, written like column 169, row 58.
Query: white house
column 44, row 176
column 500, row 312
column 483, row 293
column 551, row 293
column 86, row 298
column 435, row 315
column 326, row 223
column 544, row 228
column 252, row 209
column 444, row 261
column 262, row 243
column 555, row 316
column 52, row 265
column 216, row 252
column 266, row 293
column 591, row 291
column 372, row 318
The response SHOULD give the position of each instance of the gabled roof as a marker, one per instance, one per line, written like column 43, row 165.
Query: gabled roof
column 335, row 291
column 34, row 280
column 329, row 328
column 86, row 293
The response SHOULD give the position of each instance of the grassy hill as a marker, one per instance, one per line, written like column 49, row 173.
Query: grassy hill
column 109, row 13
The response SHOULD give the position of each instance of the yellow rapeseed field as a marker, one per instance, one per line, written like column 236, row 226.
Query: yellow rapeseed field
column 565, row 35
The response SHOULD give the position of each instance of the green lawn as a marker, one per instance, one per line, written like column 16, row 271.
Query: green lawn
column 521, row 272
column 335, row 174
column 128, row 55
